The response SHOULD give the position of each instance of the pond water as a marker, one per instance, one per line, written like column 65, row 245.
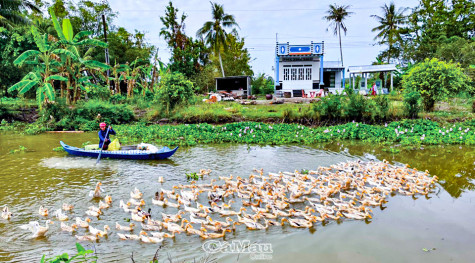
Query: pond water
column 437, row 228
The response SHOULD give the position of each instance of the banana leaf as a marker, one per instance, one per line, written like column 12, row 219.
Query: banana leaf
column 24, row 56
column 49, row 90
column 56, row 25
column 56, row 77
column 80, row 35
column 67, row 29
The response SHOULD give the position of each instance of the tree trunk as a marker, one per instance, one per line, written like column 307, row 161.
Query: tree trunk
column 389, row 51
column 68, row 90
column 62, row 89
column 341, row 52
column 221, row 62
column 153, row 77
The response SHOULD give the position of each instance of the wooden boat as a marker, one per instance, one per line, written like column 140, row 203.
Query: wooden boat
column 124, row 153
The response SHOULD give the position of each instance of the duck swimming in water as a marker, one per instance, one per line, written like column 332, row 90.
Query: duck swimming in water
column 6, row 214
column 36, row 229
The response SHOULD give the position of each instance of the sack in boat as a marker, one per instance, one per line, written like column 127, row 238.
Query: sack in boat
column 92, row 147
column 147, row 147
column 114, row 145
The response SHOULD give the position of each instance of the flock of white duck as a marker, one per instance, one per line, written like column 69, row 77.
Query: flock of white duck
column 345, row 190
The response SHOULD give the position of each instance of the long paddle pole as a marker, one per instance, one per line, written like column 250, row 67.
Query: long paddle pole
column 100, row 153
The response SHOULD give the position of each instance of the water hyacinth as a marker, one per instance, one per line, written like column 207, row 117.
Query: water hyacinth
column 421, row 131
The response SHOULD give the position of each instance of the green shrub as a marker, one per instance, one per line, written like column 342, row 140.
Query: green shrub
column 117, row 99
column 356, row 107
column 174, row 90
column 382, row 107
column 330, row 107
column 436, row 80
column 84, row 115
column 98, row 92
column 412, row 101
column 262, row 84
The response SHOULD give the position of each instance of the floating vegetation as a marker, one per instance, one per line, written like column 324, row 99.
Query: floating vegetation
column 406, row 132
column 59, row 149
column 192, row 176
column 20, row 149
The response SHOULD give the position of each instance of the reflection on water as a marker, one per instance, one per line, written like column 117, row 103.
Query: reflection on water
column 396, row 234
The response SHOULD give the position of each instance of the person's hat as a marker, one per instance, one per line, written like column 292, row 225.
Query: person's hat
column 103, row 124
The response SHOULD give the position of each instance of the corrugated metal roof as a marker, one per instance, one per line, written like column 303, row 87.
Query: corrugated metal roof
column 332, row 64
column 371, row 68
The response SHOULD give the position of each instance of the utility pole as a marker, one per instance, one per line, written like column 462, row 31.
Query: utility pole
column 107, row 49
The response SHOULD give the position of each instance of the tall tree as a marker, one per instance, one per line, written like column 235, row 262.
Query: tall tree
column 336, row 15
column 389, row 29
column 10, row 12
column 432, row 22
column 214, row 32
column 173, row 30
column 188, row 55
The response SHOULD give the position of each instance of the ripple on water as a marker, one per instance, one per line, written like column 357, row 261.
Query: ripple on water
column 51, row 178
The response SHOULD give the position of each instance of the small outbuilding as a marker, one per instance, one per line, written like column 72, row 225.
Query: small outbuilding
column 237, row 85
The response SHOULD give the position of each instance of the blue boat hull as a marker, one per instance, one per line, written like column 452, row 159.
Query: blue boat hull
column 163, row 153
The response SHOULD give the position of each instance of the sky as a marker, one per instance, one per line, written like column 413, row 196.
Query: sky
column 261, row 21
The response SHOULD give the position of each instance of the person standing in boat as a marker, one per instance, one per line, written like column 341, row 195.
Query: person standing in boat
column 103, row 140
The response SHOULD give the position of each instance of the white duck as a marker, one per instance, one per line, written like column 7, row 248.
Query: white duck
column 124, row 228
column 36, row 229
column 87, row 238
column 151, row 227
column 43, row 211
column 67, row 228
column 137, row 218
column 146, row 239
column 103, row 205
column 83, row 223
column 61, row 217
column 128, row 237
column 67, row 207
column 158, row 202
column 6, row 214
column 191, row 209
column 98, row 232
column 97, row 191
column 136, row 194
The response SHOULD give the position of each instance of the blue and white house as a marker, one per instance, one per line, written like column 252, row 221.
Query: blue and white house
column 300, row 69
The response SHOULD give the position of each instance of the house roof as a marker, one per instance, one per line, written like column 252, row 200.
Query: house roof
column 372, row 68
column 332, row 64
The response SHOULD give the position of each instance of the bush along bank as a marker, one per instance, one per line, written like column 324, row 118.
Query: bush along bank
column 406, row 132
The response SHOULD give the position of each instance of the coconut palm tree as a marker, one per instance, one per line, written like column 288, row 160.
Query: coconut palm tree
column 389, row 29
column 213, row 31
column 10, row 11
column 336, row 15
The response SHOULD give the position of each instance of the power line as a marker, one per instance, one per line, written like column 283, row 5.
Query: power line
column 246, row 10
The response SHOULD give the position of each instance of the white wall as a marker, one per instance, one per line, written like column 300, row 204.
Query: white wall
column 290, row 84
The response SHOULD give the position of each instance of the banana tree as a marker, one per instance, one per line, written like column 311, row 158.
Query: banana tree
column 45, row 63
column 135, row 74
column 84, row 65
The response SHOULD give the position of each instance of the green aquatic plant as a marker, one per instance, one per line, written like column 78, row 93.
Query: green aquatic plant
column 58, row 149
column 20, row 149
column 406, row 132
column 82, row 255
column 193, row 176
